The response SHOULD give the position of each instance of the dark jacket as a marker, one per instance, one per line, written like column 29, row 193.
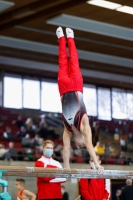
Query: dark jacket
column 117, row 198
column 65, row 196
column 127, row 193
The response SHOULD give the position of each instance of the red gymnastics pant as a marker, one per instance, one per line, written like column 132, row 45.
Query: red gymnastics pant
column 69, row 74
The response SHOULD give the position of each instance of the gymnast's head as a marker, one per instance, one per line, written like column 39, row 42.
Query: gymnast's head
column 79, row 140
column 19, row 184
column 48, row 148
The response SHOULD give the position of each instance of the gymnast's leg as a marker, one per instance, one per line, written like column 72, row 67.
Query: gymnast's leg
column 63, row 73
column 74, row 73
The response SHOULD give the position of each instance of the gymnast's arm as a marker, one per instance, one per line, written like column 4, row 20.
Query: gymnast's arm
column 86, row 131
column 30, row 194
column 66, row 148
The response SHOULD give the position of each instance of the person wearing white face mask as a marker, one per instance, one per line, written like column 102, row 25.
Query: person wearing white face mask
column 48, row 188
column 94, row 189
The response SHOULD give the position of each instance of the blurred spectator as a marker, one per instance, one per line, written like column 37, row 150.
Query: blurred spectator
column 26, row 141
column 58, row 153
column 95, row 133
column 111, row 151
column 11, row 152
column 2, row 151
column 86, row 155
column 8, row 135
column 99, row 149
column 118, row 195
column 65, row 194
column 127, row 192
column 130, row 137
column 22, row 132
column 123, row 144
column 125, row 127
column 43, row 121
column 47, row 132
column 36, row 122
column 43, row 132
column 19, row 122
column 37, row 142
column 29, row 154
column 30, row 127
column 116, row 136
column 52, row 133
column 122, row 158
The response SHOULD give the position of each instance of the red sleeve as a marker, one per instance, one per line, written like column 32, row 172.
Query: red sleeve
column 106, row 193
column 84, row 185
column 41, row 164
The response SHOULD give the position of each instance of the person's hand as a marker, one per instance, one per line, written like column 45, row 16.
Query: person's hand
column 100, row 169
column 78, row 198
column 104, row 199
column 67, row 166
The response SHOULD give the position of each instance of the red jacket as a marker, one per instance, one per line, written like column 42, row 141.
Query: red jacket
column 48, row 188
column 93, row 189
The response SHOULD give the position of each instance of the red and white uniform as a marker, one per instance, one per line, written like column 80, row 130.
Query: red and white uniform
column 94, row 189
column 48, row 188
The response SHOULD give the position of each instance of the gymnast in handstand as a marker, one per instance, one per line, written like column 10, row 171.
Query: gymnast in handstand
column 70, row 83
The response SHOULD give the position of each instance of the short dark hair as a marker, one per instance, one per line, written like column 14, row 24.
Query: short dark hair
column 20, row 180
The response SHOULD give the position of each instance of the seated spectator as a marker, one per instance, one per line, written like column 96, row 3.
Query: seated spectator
column 99, row 149
column 36, row 122
column 8, row 135
column 122, row 158
column 26, row 141
column 58, row 153
column 37, row 142
column 2, row 151
column 11, row 152
column 43, row 132
column 52, row 133
column 30, row 127
column 22, row 132
column 111, row 151
column 19, row 122
column 85, row 155
column 95, row 132
column 29, row 154
column 130, row 137
column 123, row 144
column 47, row 132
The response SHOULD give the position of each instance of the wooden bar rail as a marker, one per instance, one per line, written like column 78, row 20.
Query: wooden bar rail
column 64, row 173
